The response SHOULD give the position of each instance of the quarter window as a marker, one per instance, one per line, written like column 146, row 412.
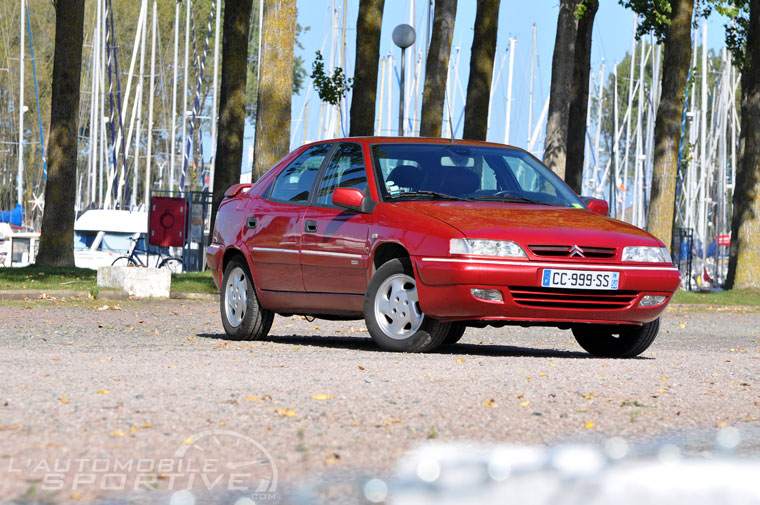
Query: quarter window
column 294, row 183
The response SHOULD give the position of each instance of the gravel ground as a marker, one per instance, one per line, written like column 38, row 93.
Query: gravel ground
column 132, row 381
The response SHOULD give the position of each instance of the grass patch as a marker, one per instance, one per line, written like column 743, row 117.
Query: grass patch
column 36, row 277
column 48, row 278
column 193, row 282
column 749, row 297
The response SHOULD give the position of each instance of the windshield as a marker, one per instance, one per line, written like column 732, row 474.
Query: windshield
column 459, row 172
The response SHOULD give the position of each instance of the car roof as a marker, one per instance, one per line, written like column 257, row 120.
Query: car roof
column 415, row 140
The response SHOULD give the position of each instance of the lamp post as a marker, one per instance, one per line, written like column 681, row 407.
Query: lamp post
column 403, row 37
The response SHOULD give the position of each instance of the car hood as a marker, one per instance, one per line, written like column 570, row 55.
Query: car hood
column 534, row 224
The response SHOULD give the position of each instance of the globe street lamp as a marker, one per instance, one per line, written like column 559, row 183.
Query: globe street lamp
column 403, row 37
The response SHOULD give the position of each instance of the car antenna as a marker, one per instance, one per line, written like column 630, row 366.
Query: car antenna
column 451, row 121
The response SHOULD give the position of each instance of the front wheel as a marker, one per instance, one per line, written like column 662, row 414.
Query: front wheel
column 124, row 261
column 392, row 311
column 616, row 341
column 242, row 316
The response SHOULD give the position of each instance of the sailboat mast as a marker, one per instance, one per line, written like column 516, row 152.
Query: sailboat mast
column 532, row 74
column 174, row 98
column 20, row 175
column 149, row 152
column 512, row 43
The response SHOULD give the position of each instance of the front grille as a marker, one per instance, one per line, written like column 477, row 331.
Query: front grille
column 592, row 299
column 564, row 251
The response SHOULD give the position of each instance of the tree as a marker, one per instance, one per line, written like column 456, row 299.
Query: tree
column 744, row 254
column 436, row 67
column 229, row 146
column 481, row 70
column 368, row 26
column 331, row 89
column 57, row 236
column 563, row 63
column 272, row 140
column 577, row 115
column 671, row 23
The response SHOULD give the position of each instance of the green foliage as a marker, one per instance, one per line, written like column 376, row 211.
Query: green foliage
column 331, row 89
column 737, row 12
column 581, row 8
column 654, row 16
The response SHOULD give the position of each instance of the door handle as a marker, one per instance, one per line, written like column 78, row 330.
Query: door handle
column 311, row 226
column 250, row 222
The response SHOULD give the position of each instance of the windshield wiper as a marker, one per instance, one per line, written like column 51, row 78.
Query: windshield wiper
column 509, row 198
column 434, row 195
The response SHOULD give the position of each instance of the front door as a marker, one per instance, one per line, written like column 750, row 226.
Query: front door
column 334, row 241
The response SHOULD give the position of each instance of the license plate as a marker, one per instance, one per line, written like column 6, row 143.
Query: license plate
column 580, row 279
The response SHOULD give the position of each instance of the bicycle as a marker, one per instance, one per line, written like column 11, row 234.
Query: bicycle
column 172, row 263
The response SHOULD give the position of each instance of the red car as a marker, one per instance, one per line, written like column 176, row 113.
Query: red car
column 425, row 237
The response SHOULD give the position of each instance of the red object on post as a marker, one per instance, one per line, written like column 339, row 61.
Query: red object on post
column 167, row 221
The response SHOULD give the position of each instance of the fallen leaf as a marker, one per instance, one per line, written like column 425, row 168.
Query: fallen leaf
column 542, row 375
column 461, row 360
column 683, row 325
column 188, row 440
column 147, row 425
column 723, row 423
column 525, row 403
column 189, row 338
column 589, row 425
column 285, row 412
column 393, row 421
column 76, row 496
column 133, row 429
column 490, row 403
column 64, row 399
column 332, row 458
column 588, row 396
column 527, row 378
column 56, row 359
column 118, row 433
column 251, row 398
column 361, row 367
column 103, row 391
column 322, row 396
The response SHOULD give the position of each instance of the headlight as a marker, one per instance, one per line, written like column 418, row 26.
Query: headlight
column 647, row 254
column 503, row 248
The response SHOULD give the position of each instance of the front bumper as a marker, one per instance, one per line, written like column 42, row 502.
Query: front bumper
column 444, row 286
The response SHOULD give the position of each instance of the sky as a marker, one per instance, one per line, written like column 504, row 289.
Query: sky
column 612, row 38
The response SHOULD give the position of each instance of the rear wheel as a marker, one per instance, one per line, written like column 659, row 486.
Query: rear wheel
column 616, row 341
column 392, row 311
column 174, row 265
column 124, row 261
column 242, row 316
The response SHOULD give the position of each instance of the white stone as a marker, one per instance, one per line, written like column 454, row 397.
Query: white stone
column 140, row 282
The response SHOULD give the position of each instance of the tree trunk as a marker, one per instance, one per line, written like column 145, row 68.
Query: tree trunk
column 272, row 140
column 436, row 68
column 57, row 237
column 481, row 70
column 578, row 113
column 563, row 62
column 744, row 254
column 667, row 126
column 368, row 26
column 229, row 144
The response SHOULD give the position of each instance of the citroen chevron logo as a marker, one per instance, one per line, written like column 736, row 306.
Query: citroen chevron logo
column 576, row 251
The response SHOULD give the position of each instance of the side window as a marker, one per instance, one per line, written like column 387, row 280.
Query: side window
column 529, row 179
column 346, row 170
column 294, row 183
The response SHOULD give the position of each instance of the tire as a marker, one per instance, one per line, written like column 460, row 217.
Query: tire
column 124, row 261
column 455, row 333
column 242, row 316
column 601, row 340
column 392, row 313
column 174, row 265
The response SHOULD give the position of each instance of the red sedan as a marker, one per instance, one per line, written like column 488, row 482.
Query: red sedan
column 423, row 238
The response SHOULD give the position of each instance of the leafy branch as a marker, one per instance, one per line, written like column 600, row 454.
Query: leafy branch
column 331, row 89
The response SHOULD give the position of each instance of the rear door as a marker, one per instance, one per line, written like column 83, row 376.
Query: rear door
column 274, row 223
column 334, row 243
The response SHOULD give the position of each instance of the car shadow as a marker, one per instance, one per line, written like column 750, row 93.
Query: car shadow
column 459, row 349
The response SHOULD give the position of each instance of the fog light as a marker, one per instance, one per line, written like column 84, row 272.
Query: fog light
column 651, row 300
column 491, row 295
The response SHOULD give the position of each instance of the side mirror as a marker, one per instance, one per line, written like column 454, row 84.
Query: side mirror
column 596, row 205
column 353, row 199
